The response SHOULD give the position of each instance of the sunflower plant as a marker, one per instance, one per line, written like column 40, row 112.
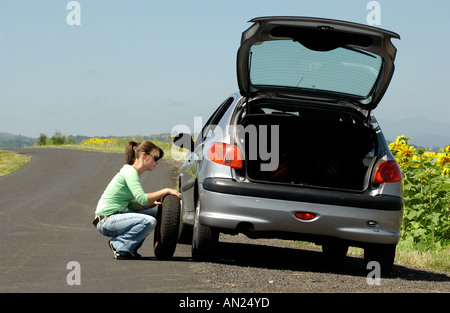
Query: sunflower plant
column 426, row 192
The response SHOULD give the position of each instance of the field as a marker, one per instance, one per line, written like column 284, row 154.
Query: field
column 426, row 194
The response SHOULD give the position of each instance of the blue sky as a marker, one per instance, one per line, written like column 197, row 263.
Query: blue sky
column 136, row 67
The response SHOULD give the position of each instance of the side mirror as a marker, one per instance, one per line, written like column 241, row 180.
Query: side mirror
column 185, row 141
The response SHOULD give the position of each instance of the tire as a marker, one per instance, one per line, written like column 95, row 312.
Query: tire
column 383, row 254
column 167, row 227
column 204, row 239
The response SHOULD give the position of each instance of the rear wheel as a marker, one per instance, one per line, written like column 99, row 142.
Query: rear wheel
column 383, row 254
column 204, row 239
column 166, row 232
column 335, row 251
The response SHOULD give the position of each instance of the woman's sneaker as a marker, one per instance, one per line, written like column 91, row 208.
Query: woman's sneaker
column 132, row 255
column 110, row 244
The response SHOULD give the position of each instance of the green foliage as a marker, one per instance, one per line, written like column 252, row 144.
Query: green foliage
column 42, row 139
column 426, row 193
column 58, row 138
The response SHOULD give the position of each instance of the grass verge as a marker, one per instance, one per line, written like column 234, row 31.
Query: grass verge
column 11, row 162
column 416, row 254
column 423, row 255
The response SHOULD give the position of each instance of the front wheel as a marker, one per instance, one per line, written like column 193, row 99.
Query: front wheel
column 204, row 239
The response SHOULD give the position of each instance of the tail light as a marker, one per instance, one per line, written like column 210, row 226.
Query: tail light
column 305, row 216
column 387, row 172
column 225, row 154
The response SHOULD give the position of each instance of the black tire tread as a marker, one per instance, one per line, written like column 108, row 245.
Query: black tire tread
column 166, row 231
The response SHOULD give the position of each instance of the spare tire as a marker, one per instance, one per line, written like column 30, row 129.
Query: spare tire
column 167, row 227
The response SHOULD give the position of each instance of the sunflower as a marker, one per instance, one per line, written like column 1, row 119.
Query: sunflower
column 442, row 159
column 400, row 144
column 406, row 150
column 396, row 145
column 429, row 155
column 446, row 171
column 402, row 138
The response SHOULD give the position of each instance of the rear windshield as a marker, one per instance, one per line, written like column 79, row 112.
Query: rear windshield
column 288, row 63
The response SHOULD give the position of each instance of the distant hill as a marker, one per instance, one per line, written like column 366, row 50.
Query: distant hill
column 424, row 132
column 8, row 140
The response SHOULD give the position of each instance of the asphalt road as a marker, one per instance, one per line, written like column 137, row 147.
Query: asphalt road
column 48, row 243
column 46, row 210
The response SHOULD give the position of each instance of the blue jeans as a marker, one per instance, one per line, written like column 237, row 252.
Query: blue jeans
column 128, row 229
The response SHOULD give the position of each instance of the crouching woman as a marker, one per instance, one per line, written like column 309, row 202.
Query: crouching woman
column 125, row 212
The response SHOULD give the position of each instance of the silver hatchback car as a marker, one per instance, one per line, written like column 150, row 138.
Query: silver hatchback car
column 297, row 153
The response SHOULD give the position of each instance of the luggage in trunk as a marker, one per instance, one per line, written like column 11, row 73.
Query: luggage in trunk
column 322, row 151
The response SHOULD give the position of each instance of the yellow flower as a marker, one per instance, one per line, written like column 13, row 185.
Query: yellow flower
column 429, row 155
column 447, row 149
column 446, row 171
column 442, row 159
column 396, row 145
column 400, row 146
column 406, row 151
column 402, row 138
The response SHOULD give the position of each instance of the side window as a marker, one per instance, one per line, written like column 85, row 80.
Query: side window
column 214, row 119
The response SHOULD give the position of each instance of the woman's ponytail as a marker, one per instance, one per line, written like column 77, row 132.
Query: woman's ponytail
column 130, row 152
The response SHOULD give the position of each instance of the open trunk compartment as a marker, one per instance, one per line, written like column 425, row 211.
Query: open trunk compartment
column 318, row 148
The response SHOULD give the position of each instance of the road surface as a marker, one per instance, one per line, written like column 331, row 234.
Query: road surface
column 46, row 212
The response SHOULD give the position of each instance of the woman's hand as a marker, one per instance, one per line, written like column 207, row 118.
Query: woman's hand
column 170, row 191
column 156, row 197
column 174, row 192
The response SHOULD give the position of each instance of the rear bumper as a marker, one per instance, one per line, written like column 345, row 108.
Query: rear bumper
column 364, row 201
column 269, row 211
